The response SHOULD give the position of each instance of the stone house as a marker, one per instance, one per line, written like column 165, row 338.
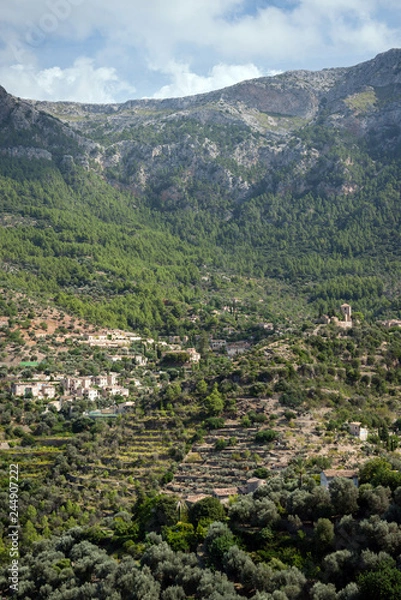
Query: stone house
column 37, row 389
column 217, row 344
column 90, row 394
column 115, row 391
column 101, row 381
column 224, row 494
column 48, row 391
column 237, row 348
column 345, row 324
column 194, row 498
column 358, row 431
column 73, row 384
column 140, row 360
column 252, row 485
column 392, row 323
column 346, row 310
column 194, row 356
column 112, row 379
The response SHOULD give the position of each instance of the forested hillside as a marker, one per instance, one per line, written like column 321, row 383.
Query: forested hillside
column 70, row 236
column 294, row 178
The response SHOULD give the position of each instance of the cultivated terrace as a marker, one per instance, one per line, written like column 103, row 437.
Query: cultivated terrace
column 252, row 432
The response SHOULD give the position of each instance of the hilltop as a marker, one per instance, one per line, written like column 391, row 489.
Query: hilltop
column 255, row 125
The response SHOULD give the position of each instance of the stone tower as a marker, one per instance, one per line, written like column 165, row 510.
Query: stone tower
column 346, row 310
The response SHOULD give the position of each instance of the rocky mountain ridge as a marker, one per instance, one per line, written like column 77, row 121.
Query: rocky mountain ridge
column 234, row 139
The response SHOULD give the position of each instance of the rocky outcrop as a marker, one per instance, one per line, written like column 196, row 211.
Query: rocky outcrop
column 232, row 141
column 27, row 152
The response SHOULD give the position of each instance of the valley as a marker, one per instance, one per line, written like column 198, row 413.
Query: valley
column 200, row 342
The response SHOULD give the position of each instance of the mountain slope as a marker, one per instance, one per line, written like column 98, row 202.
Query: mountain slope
column 253, row 123
column 69, row 234
column 294, row 177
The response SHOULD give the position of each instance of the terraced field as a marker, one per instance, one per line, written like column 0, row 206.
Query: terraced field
column 103, row 471
column 206, row 467
column 227, row 457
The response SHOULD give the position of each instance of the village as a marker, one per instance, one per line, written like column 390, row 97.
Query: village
column 222, row 462
column 58, row 389
column 173, row 350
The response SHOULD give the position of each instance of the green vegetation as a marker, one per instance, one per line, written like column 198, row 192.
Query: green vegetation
column 93, row 492
column 362, row 101
column 327, row 237
column 108, row 265
column 201, row 480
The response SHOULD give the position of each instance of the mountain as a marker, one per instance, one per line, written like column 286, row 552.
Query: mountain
column 225, row 135
column 294, row 177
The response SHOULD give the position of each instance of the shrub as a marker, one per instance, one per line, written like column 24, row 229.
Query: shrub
column 266, row 436
column 207, row 508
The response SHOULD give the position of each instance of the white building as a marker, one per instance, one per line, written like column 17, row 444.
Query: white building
column 73, row 384
column 194, row 356
column 36, row 389
column 140, row 360
column 358, row 431
column 112, row 380
column 48, row 391
column 115, row 391
column 90, row 394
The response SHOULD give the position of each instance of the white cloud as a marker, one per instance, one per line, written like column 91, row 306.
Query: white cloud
column 82, row 82
column 132, row 40
column 160, row 27
column 311, row 29
column 186, row 83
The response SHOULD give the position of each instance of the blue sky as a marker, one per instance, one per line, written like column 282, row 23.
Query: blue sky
column 111, row 51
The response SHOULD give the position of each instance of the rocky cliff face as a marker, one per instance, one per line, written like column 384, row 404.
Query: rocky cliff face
column 29, row 132
column 269, row 134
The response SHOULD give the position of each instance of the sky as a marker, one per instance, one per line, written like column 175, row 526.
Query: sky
column 114, row 50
